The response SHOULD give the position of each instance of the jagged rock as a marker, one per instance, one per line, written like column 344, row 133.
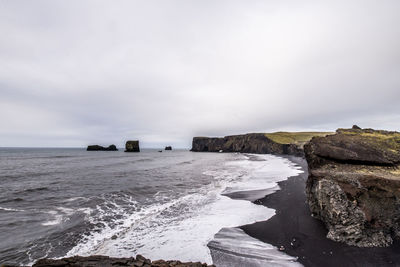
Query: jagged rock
column 102, row 148
column 248, row 143
column 105, row 261
column 132, row 146
column 354, row 185
column 168, row 148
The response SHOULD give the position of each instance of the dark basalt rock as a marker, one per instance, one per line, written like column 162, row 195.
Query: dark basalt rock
column 354, row 185
column 132, row 146
column 247, row 143
column 366, row 146
column 168, row 148
column 102, row 148
column 105, row 261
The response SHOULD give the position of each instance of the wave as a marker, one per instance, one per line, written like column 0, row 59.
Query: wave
column 180, row 227
column 17, row 199
column 9, row 209
column 233, row 247
column 36, row 189
column 62, row 214
column 185, row 162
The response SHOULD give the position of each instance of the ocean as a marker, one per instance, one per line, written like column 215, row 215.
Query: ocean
column 176, row 204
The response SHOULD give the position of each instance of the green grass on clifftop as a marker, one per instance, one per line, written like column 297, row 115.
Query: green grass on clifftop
column 379, row 139
column 297, row 138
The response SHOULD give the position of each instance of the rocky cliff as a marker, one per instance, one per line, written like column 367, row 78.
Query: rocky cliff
column 354, row 185
column 132, row 146
column 258, row 143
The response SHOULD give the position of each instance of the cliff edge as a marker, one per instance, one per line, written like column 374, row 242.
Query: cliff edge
column 354, row 185
column 285, row 143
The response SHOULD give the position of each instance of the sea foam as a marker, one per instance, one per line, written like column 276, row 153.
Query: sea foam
column 181, row 228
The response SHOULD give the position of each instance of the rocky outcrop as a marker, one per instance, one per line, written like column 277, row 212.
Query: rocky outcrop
column 102, row 148
column 168, row 148
column 132, row 146
column 105, row 261
column 257, row 143
column 354, row 185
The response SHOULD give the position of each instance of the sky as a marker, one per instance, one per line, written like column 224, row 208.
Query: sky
column 78, row 72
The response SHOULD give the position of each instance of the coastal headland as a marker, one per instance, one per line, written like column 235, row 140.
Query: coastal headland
column 282, row 143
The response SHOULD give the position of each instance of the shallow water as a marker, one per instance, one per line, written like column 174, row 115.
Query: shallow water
column 64, row 202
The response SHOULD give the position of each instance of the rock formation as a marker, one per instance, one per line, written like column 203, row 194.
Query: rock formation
column 102, row 148
column 354, row 185
column 132, row 146
column 168, row 148
column 247, row 143
column 105, row 261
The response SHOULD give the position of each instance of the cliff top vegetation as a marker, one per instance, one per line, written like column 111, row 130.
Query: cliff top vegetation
column 297, row 138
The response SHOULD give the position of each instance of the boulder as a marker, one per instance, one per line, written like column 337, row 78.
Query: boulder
column 101, row 148
column 132, row 146
column 168, row 148
column 354, row 185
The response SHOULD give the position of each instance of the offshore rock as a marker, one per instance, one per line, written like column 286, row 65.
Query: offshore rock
column 132, row 146
column 102, row 148
column 105, row 261
column 257, row 143
column 168, row 148
column 354, row 185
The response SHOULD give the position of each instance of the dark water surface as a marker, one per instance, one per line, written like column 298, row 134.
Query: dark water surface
column 62, row 202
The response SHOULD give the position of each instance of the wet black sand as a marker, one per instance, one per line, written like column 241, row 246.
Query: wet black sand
column 304, row 237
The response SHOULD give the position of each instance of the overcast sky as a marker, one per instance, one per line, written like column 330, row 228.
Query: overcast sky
column 74, row 73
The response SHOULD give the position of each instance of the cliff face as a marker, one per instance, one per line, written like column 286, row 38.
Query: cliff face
column 132, row 146
column 248, row 143
column 354, row 185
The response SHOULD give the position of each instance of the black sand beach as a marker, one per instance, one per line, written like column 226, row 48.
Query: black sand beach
column 305, row 237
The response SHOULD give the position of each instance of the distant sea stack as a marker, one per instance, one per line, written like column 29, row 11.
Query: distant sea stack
column 289, row 143
column 168, row 148
column 132, row 146
column 102, row 148
column 354, row 185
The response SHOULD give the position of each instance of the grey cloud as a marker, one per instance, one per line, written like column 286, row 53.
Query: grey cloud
column 77, row 72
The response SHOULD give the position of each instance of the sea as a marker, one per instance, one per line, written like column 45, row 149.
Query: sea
column 171, row 205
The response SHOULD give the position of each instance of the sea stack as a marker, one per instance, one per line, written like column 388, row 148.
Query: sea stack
column 101, row 148
column 168, row 148
column 132, row 146
column 354, row 185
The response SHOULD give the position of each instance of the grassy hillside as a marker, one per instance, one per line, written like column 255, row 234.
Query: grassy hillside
column 298, row 138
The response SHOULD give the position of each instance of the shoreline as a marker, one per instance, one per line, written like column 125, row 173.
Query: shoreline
column 303, row 236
